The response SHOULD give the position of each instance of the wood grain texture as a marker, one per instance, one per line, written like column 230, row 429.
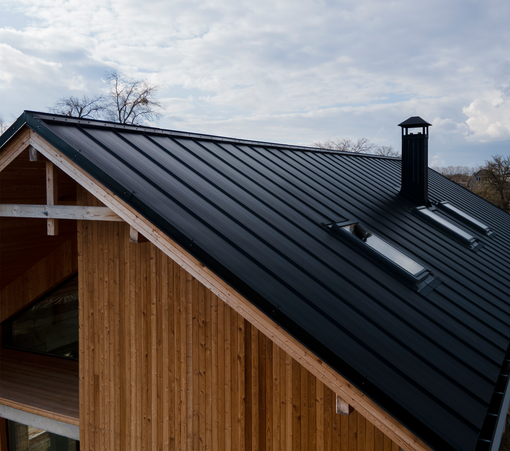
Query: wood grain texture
column 18, row 144
column 56, row 212
column 39, row 384
column 166, row 365
column 51, row 196
column 24, row 242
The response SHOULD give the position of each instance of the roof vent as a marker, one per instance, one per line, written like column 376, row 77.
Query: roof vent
column 415, row 151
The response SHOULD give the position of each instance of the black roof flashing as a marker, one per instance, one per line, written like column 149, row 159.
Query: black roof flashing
column 414, row 122
column 253, row 213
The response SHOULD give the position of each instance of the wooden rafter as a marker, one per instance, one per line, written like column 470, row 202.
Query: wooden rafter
column 135, row 236
column 13, row 149
column 54, row 212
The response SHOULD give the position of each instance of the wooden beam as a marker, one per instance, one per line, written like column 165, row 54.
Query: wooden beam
column 14, row 147
column 33, row 155
column 356, row 398
column 135, row 236
column 58, row 212
column 51, row 196
column 342, row 407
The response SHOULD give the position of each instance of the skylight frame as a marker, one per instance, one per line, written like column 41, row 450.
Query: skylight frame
column 451, row 229
column 464, row 217
column 420, row 278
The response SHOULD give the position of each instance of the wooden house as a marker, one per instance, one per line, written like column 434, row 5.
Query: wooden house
column 163, row 290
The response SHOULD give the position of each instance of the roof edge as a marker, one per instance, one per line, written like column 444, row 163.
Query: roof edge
column 13, row 129
column 192, row 135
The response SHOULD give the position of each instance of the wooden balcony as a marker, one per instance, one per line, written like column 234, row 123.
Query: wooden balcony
column 39, row 384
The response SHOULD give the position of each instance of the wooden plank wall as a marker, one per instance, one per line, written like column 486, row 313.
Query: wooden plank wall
column 24, row 241
column 45, row 275
column 166, row 365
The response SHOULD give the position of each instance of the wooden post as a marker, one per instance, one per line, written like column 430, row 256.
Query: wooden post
column 51, row 196
column 135, row 237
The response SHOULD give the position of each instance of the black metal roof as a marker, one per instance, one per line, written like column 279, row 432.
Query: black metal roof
column 254, row 213
column 413, row 122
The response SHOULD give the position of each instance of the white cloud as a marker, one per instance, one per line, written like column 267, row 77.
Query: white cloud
column 489, row 117
column 14, row 65
column 292, row 70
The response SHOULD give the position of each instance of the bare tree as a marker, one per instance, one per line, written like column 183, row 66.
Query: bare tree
column 131, row 101
column 343, row 145
column 387, row 151
column 128, row 102
column 362, row 145
column 496, row 177
column 86, row 107
column 455, row 170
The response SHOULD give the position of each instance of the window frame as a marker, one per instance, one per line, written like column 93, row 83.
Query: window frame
column 464, row 218
column 7, row 324
column 429, row 215
column 424, row 281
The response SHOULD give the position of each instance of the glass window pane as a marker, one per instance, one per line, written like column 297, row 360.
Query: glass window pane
column 447, row 224
column 50, row 325
column 387, row 250
column 28, row 438
column 468, row 218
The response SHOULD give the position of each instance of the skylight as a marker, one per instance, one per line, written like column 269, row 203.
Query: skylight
column 454, row 231
column 381, row 248
column 464, row 217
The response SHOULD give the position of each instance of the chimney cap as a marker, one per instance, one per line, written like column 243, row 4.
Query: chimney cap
column 413, row 122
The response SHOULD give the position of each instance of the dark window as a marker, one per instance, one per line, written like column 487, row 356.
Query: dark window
column 28, row 438
column 48, row 326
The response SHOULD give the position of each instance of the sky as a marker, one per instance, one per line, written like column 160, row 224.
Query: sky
column 289, row 71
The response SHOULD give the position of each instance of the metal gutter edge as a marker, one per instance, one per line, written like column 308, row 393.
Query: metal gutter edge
column 500, row 426
column 13, row 129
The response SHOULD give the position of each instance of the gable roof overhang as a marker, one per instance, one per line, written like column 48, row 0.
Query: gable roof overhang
column 271, row 319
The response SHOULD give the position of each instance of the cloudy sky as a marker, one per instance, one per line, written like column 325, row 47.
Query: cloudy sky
column 293, row 71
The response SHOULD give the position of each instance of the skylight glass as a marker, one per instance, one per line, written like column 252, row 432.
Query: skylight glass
column 385, row 249
column 464, row 216
column 447, row 225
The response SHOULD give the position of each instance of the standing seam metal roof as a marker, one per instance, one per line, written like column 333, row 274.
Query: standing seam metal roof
column 254, row 213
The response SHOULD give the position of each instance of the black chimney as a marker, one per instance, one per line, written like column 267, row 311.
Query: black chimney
column 415, row 151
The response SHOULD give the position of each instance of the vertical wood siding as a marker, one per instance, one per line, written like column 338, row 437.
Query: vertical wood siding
column 166, row 365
